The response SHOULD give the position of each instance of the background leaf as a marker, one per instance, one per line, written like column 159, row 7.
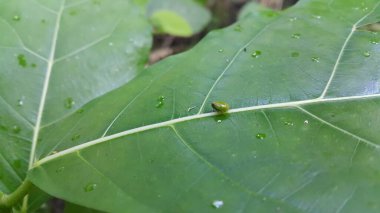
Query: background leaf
column 191, row 16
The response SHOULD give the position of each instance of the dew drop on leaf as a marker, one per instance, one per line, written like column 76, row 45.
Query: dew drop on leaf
column 367, row 54
column 315, row 59
column 160, row 101
column 287, row 123
column 191, row 108
column 20, row 101
column 16, row 18
column 21, row 60
column 237, row 28
column 296, row 36
column 256, row 54
column 60, row 169
column 219, row 121
column 69, row 103
column 317, row 16
column 375, row 41
column 73, row 12
column 306, row 122
column 16, row 129
column 220, row 50
column 295, row 54
column 261, row 136
column 90, row 187
column 217, row 204
column 293, row 19
column 75, row 137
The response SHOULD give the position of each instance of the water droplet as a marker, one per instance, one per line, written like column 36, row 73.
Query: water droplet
column 317, row 16
column 227, row 60
column 315, row 59
column 256, row 54
column 287, row 123
column 75, row 137
column 217, row 204
column 367, row 54
column 20, row 101
column 295, row 54
column 219, row 121
column 90, row 187
column 191, row 108
column 293, row 19
column 270, row 13
column 110, row 44
column 60, row 169
column 238, row 28
column 296, row 36
column 220, row 50
column 69, row 103
column 375, row 41
column 16, row 129
column 16, row 18
column 261, row 136
column 73, row 13
column 160, row 101
column 306, row 122
column 21, row 60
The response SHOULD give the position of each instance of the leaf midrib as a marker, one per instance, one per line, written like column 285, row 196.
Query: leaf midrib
column 293, row 104
column 49, row 68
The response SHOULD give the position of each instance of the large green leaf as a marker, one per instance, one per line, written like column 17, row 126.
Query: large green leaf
column 56, row 56
column 301, row 136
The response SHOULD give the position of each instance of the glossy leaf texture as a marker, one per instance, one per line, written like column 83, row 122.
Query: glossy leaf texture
column 301, row 134
column 56, row 56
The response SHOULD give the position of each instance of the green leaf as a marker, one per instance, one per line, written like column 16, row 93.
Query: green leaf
column 301, row 134
column 178, row 17
column 55, row 57
column 170, row 22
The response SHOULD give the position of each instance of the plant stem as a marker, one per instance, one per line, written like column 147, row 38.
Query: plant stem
column 8, row 200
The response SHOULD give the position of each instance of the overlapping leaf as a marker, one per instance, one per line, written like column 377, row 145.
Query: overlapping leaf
column 56, row 56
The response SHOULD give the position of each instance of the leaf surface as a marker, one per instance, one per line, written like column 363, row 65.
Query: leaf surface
column 55, row 57
column 301, row 136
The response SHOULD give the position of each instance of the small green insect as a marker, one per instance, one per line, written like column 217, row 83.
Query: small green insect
column 220, row 106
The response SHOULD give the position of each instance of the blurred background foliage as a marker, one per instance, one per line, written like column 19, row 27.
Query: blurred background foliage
column 180, row 24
